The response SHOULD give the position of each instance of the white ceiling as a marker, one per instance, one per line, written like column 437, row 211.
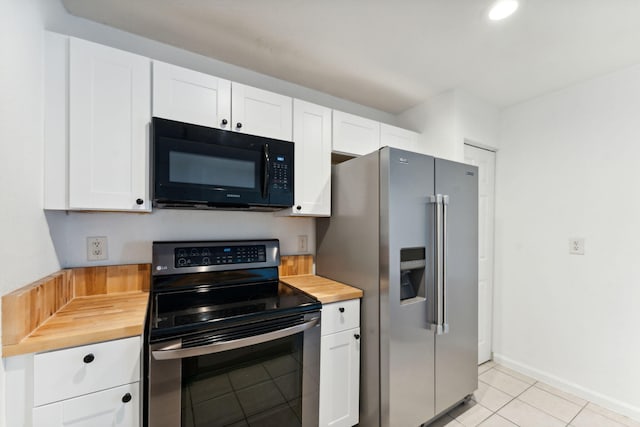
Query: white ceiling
column 392, row 55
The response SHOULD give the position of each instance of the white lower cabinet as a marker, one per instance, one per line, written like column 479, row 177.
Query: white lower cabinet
column 340, row 364
column 119, row 406
column 91, row 385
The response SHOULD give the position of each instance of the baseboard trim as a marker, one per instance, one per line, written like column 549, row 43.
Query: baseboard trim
column 562, row 384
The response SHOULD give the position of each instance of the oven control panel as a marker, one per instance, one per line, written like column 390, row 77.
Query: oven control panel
column 196, row 256
column 213, row 255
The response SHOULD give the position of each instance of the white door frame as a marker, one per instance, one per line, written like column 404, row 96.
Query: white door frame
column 484, row 158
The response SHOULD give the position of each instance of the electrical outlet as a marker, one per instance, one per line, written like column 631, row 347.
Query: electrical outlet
column 576, row 246
column 303, row 243
column 97, row 248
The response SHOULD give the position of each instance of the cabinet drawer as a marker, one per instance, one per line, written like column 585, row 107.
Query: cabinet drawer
column 72, row 372
column 119, row 406
column 340, row 316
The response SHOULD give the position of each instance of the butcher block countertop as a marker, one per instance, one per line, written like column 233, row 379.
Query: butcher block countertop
column 76, row 307
column 324, row 290
column 297, row 271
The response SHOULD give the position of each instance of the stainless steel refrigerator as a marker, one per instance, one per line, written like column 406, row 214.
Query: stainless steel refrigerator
column 404, row 228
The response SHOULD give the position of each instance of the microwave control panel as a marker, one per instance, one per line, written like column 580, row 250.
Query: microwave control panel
column 280, row 179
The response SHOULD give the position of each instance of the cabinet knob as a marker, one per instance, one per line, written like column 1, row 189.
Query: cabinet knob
column 298, row 207
column 88, row 358
column 356, row 336
column 341, row 309
column 139, row 201
column 126, row 398
column 224, row 122
column 238, row 125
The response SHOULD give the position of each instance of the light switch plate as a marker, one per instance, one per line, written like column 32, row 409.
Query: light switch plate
column 576, row 246
column 303, row 243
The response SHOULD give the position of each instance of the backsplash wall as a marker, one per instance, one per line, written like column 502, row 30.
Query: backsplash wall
column 130, row 235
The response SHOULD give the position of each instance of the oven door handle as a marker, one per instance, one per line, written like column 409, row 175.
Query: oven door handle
column 175, row 351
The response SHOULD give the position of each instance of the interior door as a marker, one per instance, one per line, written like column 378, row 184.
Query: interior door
column 485, row 160
column 456, row 349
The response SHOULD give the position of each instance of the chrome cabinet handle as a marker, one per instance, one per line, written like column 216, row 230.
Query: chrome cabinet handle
column 175, row 351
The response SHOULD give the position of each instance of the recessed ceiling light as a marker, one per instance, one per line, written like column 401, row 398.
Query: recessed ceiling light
column 502, row 9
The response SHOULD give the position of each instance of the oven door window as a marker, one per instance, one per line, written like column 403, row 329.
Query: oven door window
column 260, row 385
column 206, row 172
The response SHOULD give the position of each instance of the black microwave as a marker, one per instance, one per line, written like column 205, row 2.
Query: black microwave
column 205, row 168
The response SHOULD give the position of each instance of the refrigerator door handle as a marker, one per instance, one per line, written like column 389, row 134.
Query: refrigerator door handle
column 434, row 322
column 445, row 256
column 437, row 200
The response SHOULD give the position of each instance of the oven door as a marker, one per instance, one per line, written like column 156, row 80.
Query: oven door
column 266, row 379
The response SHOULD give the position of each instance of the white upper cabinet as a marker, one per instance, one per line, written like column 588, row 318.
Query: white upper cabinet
column 109, row 115
column 354, row 135
column 96, row 126
column 260, row 112
column 312, row 138
column 396, row 137
column 190, row 96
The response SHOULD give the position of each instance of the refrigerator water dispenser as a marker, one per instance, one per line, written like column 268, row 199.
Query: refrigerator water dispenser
column 412, row 266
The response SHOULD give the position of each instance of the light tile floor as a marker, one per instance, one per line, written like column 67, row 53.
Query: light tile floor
column 506, row 398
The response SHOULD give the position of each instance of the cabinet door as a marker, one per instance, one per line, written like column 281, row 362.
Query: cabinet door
column 109, row 115
column 119, row 406
column 262, row 113
column 312, row 138
column 354, row 135
column 340, row 379
column 396, row 137
column 189, row 96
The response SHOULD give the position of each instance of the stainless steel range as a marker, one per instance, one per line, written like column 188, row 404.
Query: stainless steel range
column 228, row 343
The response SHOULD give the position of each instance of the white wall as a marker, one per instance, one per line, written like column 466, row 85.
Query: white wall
column 130, row 235
column 435, row 120
column 477, row 122
column 26, row 250
column 568, row 167
column 450, row 119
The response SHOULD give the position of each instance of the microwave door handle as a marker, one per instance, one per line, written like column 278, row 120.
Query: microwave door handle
column 175, row 351
column 266, row 176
